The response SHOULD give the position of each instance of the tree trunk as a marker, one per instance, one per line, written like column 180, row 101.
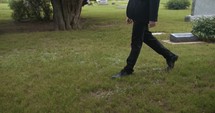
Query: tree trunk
column 66, row 13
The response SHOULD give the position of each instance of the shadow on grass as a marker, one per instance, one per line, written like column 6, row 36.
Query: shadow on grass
column 10, row 27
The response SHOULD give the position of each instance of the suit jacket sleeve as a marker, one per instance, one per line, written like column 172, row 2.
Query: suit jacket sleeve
column 154, row 7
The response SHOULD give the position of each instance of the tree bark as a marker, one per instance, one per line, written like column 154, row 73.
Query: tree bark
column 66, row 14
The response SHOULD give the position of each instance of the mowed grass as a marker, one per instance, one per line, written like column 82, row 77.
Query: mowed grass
column 70, row 71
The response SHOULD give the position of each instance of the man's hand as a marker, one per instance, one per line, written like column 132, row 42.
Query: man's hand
column 129, row 21
column 152, row 24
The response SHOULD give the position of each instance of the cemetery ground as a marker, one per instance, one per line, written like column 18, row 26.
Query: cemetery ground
column 70, row 71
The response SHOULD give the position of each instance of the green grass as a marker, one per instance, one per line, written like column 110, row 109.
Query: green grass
column 70, row 71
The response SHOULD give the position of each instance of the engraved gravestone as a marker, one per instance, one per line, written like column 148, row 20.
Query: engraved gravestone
column 183, row 37
column 201, row 8
column 103, row 2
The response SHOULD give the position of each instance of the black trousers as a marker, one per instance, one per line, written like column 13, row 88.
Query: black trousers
column 140, row 34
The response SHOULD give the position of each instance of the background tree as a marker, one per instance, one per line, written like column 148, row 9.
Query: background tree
column 66, row 13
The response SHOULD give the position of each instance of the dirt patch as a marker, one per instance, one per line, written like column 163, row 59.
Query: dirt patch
column 101, row 94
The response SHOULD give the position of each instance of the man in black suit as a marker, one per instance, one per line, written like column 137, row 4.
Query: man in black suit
column 143, row 14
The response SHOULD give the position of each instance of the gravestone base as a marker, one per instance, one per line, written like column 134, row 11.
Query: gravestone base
column 183, row 37
column 182, row 43
column 191, row 18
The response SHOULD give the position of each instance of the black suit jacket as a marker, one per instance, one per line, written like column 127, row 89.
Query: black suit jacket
column 143, row 10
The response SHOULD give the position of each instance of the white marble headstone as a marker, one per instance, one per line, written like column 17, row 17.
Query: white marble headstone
column 201, row 8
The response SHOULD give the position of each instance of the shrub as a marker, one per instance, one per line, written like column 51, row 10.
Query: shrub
column 19, row 11
column 33, row 10
column 204, row 29
column 177, row 4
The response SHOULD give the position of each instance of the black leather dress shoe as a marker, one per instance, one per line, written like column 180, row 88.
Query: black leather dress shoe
column 121, row 74
column 171, row 62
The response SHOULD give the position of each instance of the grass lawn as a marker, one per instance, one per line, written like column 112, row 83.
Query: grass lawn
column 44, row 71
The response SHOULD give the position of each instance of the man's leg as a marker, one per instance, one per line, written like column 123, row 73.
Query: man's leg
column 152, row 42
column 136, row 45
